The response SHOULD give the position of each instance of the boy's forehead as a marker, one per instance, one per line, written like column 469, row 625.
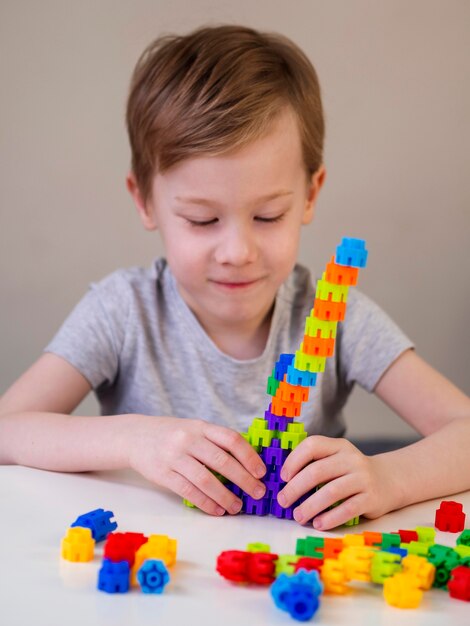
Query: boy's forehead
column 266, row 168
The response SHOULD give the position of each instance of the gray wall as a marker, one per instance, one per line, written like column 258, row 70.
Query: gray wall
column 395, row 78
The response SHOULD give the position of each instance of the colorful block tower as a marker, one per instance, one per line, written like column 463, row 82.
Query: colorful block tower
column 275, row 436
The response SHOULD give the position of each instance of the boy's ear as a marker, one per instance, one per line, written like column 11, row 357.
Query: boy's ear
column 316, row 183
column 145, row 209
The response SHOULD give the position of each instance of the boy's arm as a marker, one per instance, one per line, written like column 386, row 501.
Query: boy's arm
column 439, row 464
column 36, row 430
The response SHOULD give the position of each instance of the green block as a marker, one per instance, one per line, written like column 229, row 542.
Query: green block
column 463, row 551
column 259, row 434
column 310, row 546
column 189, row 504
column 384, row 565
column 308, row 363
column 426, row 534
column 339, row 293
column 313, row 325
column 417, row 547
column 290, row 439
column 285, row 564
column 353, row 522
column 390, row 540
column 464, row 538
column 273, row 385
column 258, row 547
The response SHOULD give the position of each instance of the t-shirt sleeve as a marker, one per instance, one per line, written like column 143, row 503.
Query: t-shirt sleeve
column 370, row 342
column 92, row 336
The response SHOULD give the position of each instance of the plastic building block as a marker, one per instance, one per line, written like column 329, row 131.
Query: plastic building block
column 78, row 545
column 159, row 547
column 333, row 576
column 459, row 585
column 298, row 594
column 406, row 536
column 332, row 547
column 123, row 546
column 351, row 252
column 372, row 538
column 153, row 576
column 320, row 329
column 258, row 547
column 353, row 540
column 308, row 563
column 98, row 521
column 357, row 562
column 450, row 517
column 464, row 538
column 417, row 547
column 310, row 546
column 341, row 274
column 315, row 364
column 390, row 539
column 329, row 311
column 421, row 569
column 426, row 534
column 384, row 565
column 444, row 560
column 261, row 568
column 233, row 565
column 114, row 577
column 401, row 591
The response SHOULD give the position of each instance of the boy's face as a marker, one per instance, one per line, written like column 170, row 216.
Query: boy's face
column 230, row 225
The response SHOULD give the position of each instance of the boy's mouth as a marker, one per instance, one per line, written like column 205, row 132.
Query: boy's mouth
column 236, row 284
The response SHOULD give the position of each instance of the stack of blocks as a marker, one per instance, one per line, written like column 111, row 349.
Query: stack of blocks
column 275, row 436
column 129, row 559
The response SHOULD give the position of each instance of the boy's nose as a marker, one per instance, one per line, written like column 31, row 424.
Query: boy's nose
column 237, row 248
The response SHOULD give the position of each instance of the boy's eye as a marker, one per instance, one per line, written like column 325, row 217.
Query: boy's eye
column 270, row 220
column 201, row 222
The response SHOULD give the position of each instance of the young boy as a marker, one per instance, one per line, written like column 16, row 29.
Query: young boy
column 226, row 131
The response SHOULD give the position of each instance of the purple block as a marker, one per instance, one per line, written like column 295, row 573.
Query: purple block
column 256, row 507
column 235, row 489
column 280, row 512
column 277, row 422
column 274, row 455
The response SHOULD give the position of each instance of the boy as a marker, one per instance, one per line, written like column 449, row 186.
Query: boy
column 226, row 131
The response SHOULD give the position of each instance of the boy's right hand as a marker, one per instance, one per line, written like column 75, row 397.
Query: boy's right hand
column 177, row 453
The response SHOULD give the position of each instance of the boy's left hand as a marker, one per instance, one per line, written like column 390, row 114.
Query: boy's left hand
column 358, row 481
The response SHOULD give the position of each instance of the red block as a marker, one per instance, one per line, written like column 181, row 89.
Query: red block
column 262, row 568
column 309, row 563
column 450, row 517
column 233, row 565
column 123, row 546
column 407, row 536
column 459, row 584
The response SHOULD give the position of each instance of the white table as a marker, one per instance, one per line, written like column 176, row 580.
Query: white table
column 38, row 588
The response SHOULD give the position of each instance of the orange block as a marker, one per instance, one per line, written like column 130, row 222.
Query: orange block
column 339, row 274
column 372, row 538
column 332, row 547
column 288, row 409
column 291, row 393
column 318, row 346
column 329, row 311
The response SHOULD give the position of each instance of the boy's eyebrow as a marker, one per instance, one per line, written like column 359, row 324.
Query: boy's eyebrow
column 212, row 203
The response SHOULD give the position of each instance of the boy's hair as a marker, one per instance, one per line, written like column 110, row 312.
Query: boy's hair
column 216, row 90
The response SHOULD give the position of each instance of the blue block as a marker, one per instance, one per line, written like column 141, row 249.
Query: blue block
column 153, row 576
column 114, row 577
column 402, row 552
column 301, row 377
column 280, row 369
column 351, row 252
column 298, row 594
column 98, row 521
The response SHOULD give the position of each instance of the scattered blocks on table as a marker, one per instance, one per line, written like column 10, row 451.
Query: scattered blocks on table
column 298, row 594
column 401, row 591
column 459, row 584
column 114, row 577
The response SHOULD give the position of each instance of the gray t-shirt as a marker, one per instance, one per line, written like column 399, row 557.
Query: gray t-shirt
column 143, row 351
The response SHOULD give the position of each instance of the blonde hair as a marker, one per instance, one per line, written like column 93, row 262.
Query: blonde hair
column 215, row 90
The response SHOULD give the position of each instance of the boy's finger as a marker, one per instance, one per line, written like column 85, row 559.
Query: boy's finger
column 311, row 449
column 347, row 510
column 311, row 476
column 228, row 466
column 205, row 481
column 183, row 487
column 238, row 447
column 328, row 495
